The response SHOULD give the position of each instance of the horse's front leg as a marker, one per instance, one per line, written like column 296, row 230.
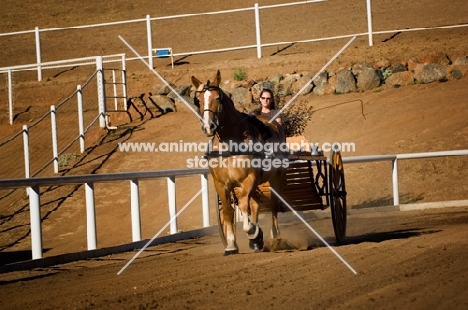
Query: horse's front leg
column 228, row 216
column 255, row 233
column 250, row 223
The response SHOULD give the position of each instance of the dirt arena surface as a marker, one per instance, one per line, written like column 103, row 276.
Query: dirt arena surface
column 403, row 260
column 409, row 260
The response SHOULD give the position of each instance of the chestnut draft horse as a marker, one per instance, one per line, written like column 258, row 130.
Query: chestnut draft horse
column 226, row 125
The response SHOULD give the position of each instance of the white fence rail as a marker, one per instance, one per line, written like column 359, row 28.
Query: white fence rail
column 39, row 66
column 35, row 184
column 97, row 61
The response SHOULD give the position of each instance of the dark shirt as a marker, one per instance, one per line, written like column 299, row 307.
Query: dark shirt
column 272, row 113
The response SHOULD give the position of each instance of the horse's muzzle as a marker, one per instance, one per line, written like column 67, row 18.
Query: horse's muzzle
column 209, row 129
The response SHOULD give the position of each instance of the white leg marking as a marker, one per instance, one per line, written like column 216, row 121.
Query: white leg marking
column 230, row 238
column 246, row 222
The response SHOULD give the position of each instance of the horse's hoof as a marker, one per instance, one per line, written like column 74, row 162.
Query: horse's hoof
column 257, row 243
column 255, row 246
column 231, row 252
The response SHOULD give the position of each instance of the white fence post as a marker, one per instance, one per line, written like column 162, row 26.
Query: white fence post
column 396, row 194
column 124, row 81
column 171, row 192
column 205, row 202
column 135, row 210
column 79, row 97
column 53, row 121
column 257, row 31
column 101, row 92
column 90, row 217
column 10, row 96
column 26, row 150
column 150, row 41
column 369, row 22
column 38, row 54
column 35, row 218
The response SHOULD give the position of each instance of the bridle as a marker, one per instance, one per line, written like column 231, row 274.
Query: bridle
column 209, row 87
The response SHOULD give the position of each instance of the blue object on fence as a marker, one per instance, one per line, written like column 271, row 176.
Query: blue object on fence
column 163, row 53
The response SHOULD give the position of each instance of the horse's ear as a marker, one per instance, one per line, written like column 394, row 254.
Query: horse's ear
column 195, row 82
column 217, row 79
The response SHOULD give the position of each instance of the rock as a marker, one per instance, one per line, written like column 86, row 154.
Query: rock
column 412, row 64
column 400, row 78
column 241, row 97
column 359, row 67
column 396, row 68
column 182, row 90
column 463, row 60
column 300, row 83
column 284, row 88
column 277, row 78
column 345, row 82
column 369, row 78
column 229, row 86
column 381, row 64
column 324, row 84
column 456, row 73
column 436, row 57
column 162, row 103
column 430, row 73
column 163, row 90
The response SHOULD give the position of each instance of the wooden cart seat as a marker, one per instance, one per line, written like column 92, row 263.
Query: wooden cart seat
column 299, row 189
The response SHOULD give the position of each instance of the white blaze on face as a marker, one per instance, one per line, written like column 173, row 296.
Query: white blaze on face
column 206, row 113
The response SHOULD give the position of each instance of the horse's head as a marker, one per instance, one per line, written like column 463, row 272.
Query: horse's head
column 209, row 100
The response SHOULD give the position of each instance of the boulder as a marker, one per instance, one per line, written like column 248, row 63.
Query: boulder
column 369, row 78
column 345, row 82
column 182, row 90
column 396, row 68
column 284, row 87
column 436, row 57
column 300, row 83
column 241, row 97
column 400, row 78
column 162, row 103
column 323, row 84
column 430, row 73
column 463, row 60
column 163, row 89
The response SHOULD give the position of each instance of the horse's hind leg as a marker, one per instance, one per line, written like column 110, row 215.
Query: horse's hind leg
column 274, row 205
column 275, row 232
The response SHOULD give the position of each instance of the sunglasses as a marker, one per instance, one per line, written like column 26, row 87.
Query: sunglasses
column 265, row 98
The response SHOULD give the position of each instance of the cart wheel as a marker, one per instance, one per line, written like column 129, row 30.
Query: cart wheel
column 221, row 223
column 338, row 196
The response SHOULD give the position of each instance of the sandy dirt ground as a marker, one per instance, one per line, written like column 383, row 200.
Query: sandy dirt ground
column 413, row 259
